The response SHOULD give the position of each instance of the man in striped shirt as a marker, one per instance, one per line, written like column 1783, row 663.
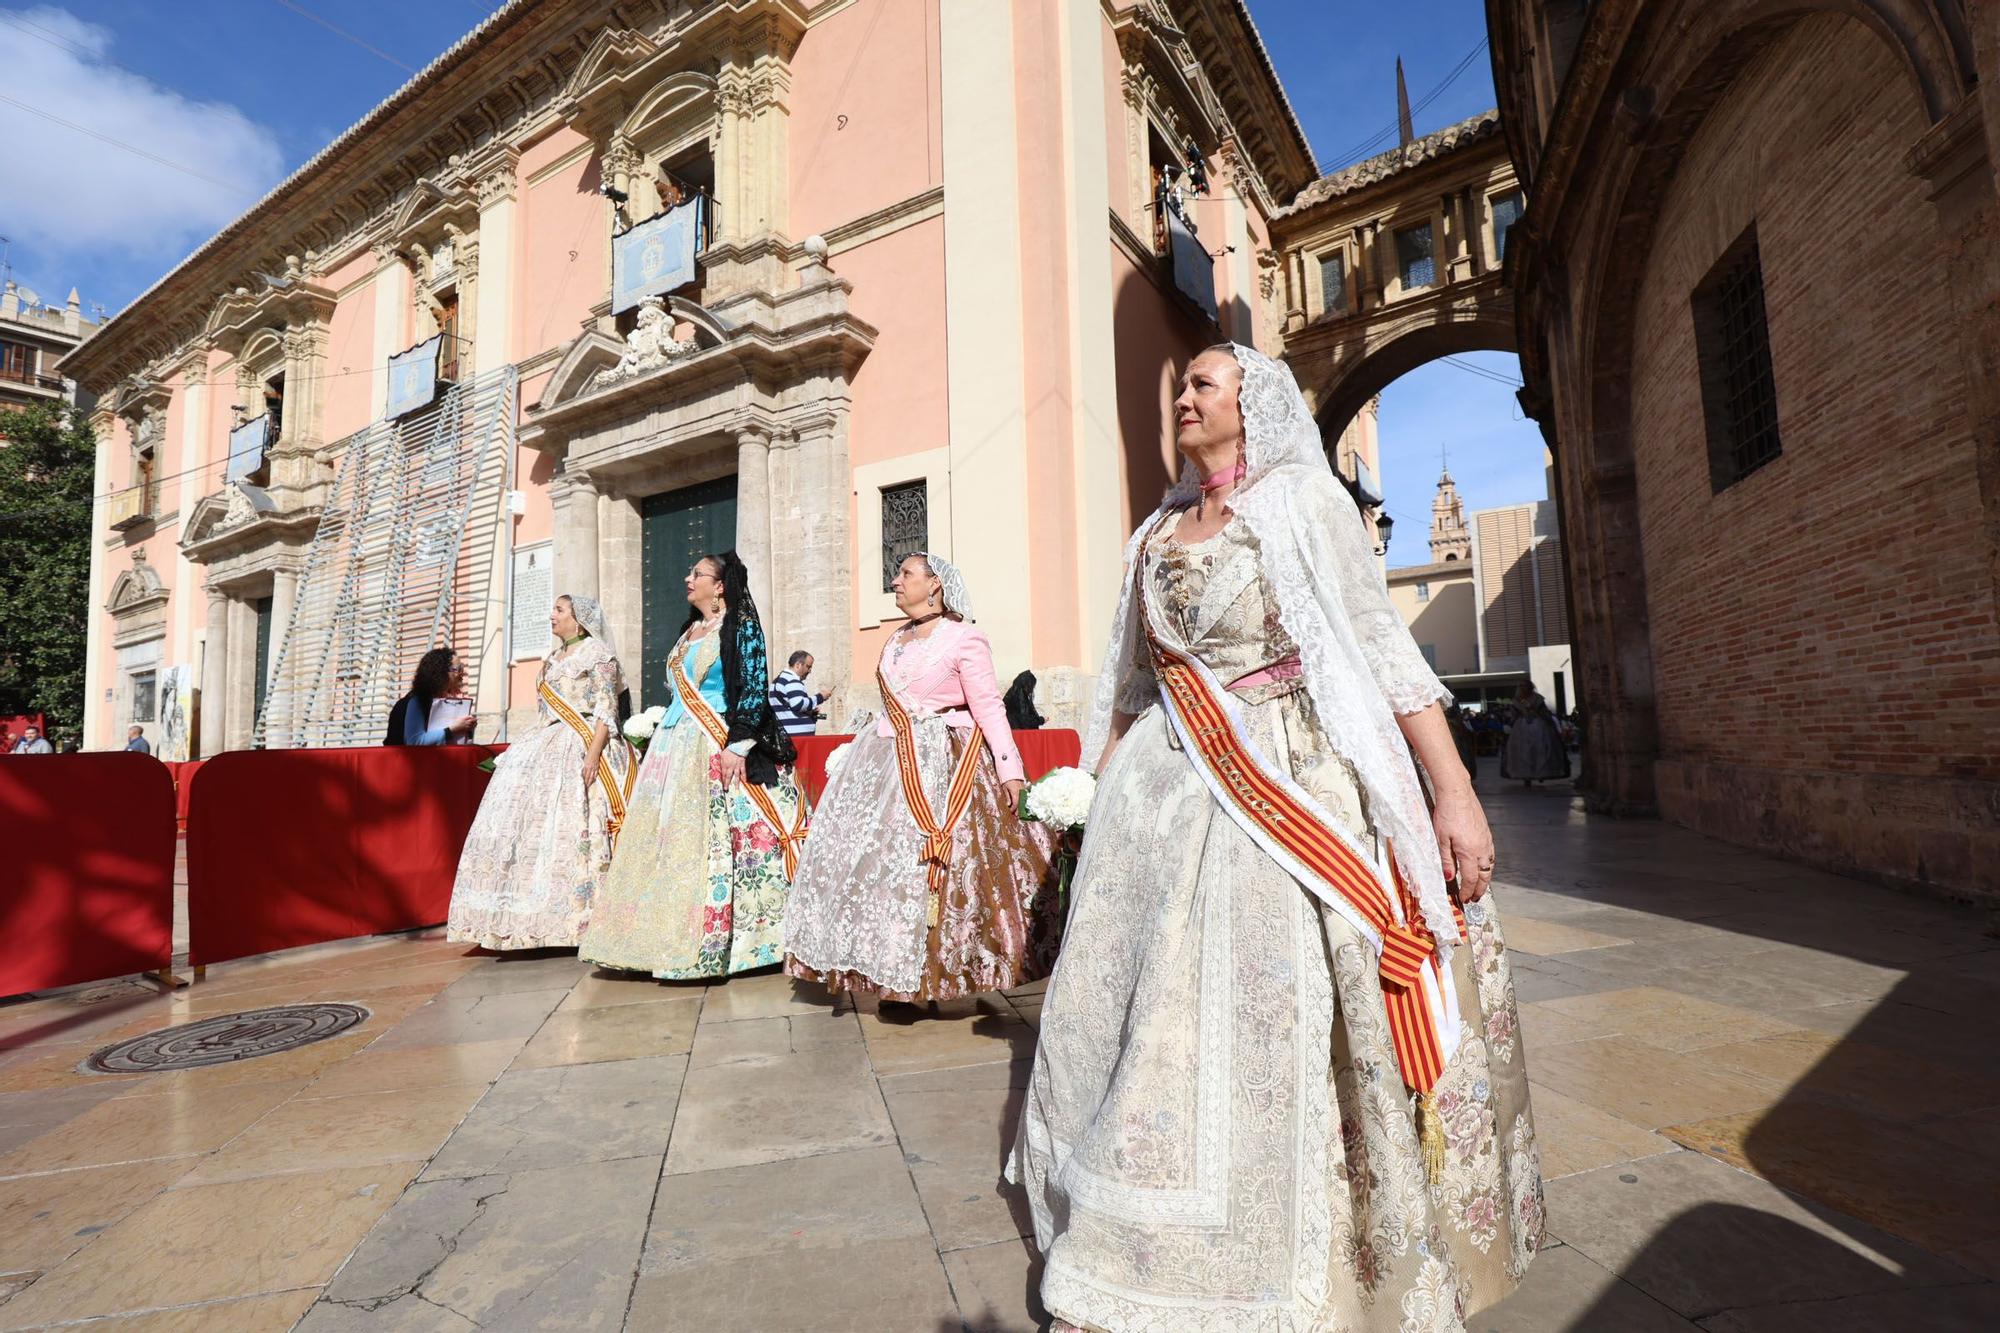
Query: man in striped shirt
column 797, row 710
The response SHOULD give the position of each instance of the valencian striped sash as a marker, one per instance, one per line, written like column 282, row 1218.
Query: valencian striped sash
column 789, row 840
column 616, row 794
column 1280, row 817
column 937, row 832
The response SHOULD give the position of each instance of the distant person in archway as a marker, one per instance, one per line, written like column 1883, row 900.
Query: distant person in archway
column 1020, row 704
column 1534, row 751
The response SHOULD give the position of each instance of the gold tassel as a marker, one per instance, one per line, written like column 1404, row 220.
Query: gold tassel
column 1430, row 1135
column 936, row 905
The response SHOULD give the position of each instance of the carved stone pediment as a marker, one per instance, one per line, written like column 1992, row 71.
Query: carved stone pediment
column 293, row 297
column 604, row 72
column 218, row 514
column 137, row 589
column 432, row 205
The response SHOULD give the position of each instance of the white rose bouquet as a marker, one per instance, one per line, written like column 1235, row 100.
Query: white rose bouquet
column 639, row 727
column 1061, row 799
column 836, row 757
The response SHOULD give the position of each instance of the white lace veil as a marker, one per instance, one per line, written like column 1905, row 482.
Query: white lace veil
column 951, row 584
column 589, row 613
column 1361, row 667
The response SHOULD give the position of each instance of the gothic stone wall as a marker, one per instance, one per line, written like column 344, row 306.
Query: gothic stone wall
column 1823, row 631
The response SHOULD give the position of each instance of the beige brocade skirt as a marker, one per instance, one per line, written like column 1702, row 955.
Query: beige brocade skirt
column 1216, row 1137
column 857, row 920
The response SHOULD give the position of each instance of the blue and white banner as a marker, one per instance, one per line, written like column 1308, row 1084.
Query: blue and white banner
column 1194, row 270
column 246, row 448
column 656, row 256
column 413, row 378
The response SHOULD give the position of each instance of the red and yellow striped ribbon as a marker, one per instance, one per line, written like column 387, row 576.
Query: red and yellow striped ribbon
column 937, row 833
column 789, row 840
column 614, row 795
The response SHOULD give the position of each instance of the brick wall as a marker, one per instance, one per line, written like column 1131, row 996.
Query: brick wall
column 1827, row 623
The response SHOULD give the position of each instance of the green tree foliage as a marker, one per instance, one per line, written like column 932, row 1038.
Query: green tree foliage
column 47, row 457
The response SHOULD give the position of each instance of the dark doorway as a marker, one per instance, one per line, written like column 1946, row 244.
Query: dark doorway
column 676, row 529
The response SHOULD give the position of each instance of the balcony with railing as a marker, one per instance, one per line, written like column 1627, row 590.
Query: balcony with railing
column 18, row 376
column 131, row 507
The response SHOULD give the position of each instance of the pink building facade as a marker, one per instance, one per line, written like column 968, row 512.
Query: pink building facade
column 934, row 306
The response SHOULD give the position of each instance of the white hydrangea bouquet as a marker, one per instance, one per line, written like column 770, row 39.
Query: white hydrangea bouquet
column 836, row 757
column 1061, row 799
column 639, row 727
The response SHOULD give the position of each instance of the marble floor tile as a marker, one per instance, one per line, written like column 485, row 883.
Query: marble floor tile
column 1973, row 1308
column 1908, row 1184
column 45, row 1219
column 1007, row 1074
column 212, row 1242
column 1542, row 1026
column 828, row 1029
column 614, row 1032
column 914, row 1040
column 956, row 1145
column 417, row 1067
column 506, row 975
column 537, row 1118
column 998, row 1287
column 249, row 1314
column 1549, row 938
column 1699, row 1236
column 550, row 1249
column 1643, row 1084
column 1575, row 1136
column 358, row 1129
column 881, row 1286
column 816, row 1101
column 745, row 1039
column 1565, row 1291
column 1665, row 1018
column 450, row 1021
column 600, row 989
column 831, row 1201
column 129, row 1129
column 769, row 995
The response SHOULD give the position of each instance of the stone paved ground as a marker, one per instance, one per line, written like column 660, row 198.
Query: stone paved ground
column 1764, row 1095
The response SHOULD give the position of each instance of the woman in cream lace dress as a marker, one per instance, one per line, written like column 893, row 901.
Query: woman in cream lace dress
column 539, row 847
column 1222, row 1131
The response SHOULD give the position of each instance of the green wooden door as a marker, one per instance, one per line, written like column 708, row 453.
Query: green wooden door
column 263, row 605
column 676, row 529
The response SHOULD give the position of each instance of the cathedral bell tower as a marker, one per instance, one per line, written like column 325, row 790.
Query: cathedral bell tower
column 1449, row 538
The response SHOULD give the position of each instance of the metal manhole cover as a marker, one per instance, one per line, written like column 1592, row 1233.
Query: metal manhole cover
column 226, row 1039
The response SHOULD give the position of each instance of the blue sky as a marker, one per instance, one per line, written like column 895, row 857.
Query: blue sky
column 244, row 91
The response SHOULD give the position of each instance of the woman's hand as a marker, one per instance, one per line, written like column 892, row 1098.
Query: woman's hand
column 1465, row 843
column 1014, row 787
column 463, row 726
column 590, row 759
column 732, row 768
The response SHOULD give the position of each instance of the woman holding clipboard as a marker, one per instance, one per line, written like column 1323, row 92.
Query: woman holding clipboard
column 435, row 711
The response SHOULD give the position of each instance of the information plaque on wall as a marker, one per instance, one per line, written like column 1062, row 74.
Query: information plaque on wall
column 656, row 256
column 246, row 448
column 1194, row 269
column 533, row 594
column 413, row 378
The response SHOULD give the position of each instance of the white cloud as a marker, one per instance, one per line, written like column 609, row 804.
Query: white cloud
column 68, row 195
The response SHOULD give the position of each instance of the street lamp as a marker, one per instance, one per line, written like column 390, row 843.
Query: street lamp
column 1383, row 525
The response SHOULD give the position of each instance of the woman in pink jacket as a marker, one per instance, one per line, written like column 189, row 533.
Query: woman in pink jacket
column 920, row 881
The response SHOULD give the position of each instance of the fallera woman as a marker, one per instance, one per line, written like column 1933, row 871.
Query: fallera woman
column 706, row 857
column 921, row 882
column 539, row 847
column 1279, row 1081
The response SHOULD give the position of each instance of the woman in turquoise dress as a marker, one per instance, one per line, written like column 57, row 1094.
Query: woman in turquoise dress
column 711, row 836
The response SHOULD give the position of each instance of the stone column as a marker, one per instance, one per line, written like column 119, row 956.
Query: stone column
column 392, row 306
column 492, row 339
column 240, row 670
column 620, row 576
column 817, row 579
column 215, row 676
column 753, row 522
column 575, row 505
column 284, row 595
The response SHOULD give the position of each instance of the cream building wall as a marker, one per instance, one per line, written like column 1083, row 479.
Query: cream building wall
column 1440, row 605
column 932, row 261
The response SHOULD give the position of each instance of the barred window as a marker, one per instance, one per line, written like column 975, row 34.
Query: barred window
column 1415, row 257
column 145, row 696
column 905, row 525
column 1733, row 350
column 1333, row 283
column 1423, row 592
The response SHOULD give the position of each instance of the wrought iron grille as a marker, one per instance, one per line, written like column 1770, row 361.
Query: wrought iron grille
column 905, row 525
column 1333, row 282
column 1739, row 394
column 1415, row 259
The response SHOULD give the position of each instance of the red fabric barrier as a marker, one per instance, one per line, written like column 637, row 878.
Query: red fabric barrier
column 293, row 847
column 87, row 886
column 1040, row 752
column 183, row 772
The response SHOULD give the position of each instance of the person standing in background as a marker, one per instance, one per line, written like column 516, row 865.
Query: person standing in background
column 796, row 710
column 32, row 742
column 135, row 740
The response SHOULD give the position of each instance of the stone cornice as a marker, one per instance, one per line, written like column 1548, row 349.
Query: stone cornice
column 1239, row 68
column 885, row 221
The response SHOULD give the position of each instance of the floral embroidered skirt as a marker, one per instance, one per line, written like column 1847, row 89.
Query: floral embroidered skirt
column 537, row 851
column 859, row 913
column 697, row 887
column 1216, row 1135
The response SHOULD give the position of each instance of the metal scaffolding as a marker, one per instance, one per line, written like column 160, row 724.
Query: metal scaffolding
column 409, row 555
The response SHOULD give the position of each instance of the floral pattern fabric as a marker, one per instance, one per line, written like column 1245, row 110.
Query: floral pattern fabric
column 698, row 886
column 538, row 849
column 1216, row 1134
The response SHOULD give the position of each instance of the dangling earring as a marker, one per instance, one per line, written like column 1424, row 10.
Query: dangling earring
column 715, row 607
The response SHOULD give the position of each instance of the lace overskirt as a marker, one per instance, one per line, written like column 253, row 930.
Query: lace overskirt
column 858, row 918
